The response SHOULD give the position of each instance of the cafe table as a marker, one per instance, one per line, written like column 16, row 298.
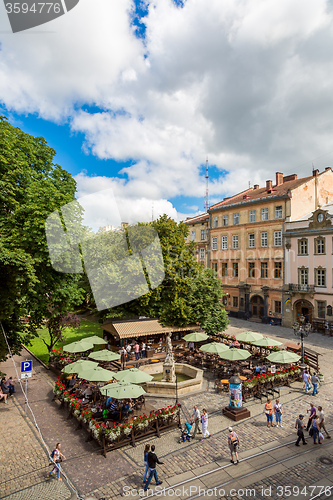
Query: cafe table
column 224, row 381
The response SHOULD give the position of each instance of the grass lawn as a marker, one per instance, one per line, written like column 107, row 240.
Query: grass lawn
column 87, row 329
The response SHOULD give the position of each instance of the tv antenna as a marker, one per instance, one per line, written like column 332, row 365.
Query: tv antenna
column 207, row 178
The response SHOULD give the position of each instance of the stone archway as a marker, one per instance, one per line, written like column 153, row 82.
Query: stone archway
column 304, row 308
column 257, row 306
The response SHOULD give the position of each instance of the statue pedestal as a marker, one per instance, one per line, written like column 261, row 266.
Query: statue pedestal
column 169, row 372
column 236, row 415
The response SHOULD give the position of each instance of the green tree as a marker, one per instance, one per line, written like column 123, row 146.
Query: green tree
column 31, row 187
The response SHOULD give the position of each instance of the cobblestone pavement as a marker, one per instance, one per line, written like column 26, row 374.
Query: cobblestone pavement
column 97, row 477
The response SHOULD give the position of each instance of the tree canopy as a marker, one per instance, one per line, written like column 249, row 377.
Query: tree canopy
column 31, row 187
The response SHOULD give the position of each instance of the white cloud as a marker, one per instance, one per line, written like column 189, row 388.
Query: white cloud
column 248, row 83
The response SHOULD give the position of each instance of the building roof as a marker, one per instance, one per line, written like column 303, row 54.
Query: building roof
column 138, row 328
column 197, row 218
column 254, row 194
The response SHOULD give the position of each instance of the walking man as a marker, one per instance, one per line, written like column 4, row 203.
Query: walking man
column 128, row 349
column 306, row 378
column 233, row 442
column 152, row 461
column 137, row 350
column 196, row 419
column 322, row 421
column 123, row 355
column 299, row 425
column 315, row 383
column 313, row 411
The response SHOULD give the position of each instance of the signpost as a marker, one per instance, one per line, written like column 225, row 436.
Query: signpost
column 26, row 372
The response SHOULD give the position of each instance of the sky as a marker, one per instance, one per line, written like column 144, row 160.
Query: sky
column 135, row 95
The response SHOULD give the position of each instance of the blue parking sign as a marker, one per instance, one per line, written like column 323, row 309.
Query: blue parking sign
column 26, row 366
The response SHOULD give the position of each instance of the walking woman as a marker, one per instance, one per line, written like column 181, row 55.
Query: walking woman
column 204, row 422
column 57, row 457
column 145, row 458
column 278, row 413
column 269, row 413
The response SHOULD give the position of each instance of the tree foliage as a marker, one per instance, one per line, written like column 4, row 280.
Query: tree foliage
column 31, row 187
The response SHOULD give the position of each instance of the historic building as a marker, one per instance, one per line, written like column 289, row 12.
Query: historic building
column 246, row 247
column 199, row 233
column 308, row 289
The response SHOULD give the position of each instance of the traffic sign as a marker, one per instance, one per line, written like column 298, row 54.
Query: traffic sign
column 26, row 375
column 26, row 366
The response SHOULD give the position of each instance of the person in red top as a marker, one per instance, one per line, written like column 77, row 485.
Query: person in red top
column 269, row 413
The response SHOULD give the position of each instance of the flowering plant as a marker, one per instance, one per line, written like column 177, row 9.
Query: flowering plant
column 58, row 388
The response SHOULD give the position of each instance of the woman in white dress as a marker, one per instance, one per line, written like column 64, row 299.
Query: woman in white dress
column 204, row 422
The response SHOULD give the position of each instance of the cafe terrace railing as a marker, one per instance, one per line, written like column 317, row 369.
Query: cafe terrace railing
column 260, row 385
column 112, row 435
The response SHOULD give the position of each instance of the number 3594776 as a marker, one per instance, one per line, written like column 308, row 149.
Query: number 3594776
column 35, row 8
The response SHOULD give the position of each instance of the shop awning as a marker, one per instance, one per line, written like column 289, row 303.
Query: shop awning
column 140, row 328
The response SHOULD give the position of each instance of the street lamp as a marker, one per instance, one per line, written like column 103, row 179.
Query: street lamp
column 302, row 330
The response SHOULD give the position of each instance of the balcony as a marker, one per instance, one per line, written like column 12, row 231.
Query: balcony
column 301, row 288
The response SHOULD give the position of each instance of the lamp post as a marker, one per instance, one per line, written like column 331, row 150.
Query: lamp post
column 302, row 330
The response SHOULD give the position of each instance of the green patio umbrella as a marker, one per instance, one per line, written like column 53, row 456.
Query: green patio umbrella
column 97, row 374
column 95, row 340
column 79, row 346
column 122, row 390
column 235, row 354
column 283, row 357
column 214, row 348
column 104, row 355
column 79, row 365
column 248, row 336
column 195, row 337
column 266, row 342
column 133, row 376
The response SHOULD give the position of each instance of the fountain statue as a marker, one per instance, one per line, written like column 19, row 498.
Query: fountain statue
column 169, row 373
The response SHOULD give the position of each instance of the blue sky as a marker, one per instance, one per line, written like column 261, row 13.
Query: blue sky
column 134, row 96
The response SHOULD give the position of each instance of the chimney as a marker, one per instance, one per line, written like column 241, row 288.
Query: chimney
column 328, row 168
column 269, row 185
column 279, row 178
column 256, row 186
column 292, row 177
column 315, row 173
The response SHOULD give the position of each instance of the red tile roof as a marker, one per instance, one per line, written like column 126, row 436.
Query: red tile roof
column 196, row 219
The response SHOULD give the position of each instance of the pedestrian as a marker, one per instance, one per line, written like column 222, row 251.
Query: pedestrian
column 204, row 423
column 3, row 396
column 299, row 425
column 315, row 383
column 196, row 419
column 269, row 413
column 306, row 378
column 233, row 442
column 152, row 461
column 143, row 350
column 57, row 457
column 137, row 351
column 278, row 413
column 4, row 388
column 123, row 355
column 10, row 385
column 128, row 349
column 315, row 429
column 322, row 421
column 313, row 411
column 145, row 459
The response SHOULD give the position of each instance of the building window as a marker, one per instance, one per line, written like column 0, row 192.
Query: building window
column 192, row 235
column 215, row 221
column 235, row 301
column 214, row 243
column 214, row 267
column 225, row 220
column 224, row 242
column 264, row 213
column 303, row 276
column 202, row 253
column 251, row 270
column 277, row 269
column 329, row 310
column 303, row 247
column 251, row 240
column 252, row 215
column 320, row 246
column 235, row 241
column 320, row 277
column 224, row 269
column 277, row 307
column 264, row 269
column 263, row 239
column 235, row 269
column 277, row 238
column 278, row 212
column 203, row 234
column 236, row 218
column 321, row 308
